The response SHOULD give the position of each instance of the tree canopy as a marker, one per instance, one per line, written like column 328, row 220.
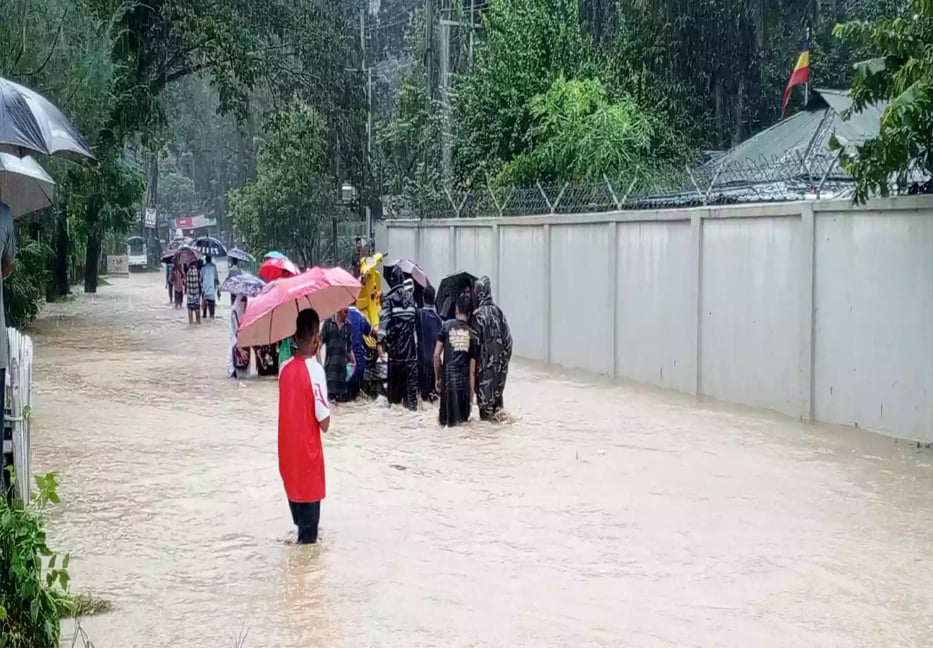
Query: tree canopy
column 901, row 75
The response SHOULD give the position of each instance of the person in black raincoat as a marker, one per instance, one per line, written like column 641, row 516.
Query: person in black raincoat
column 398, row 324
column 493, row 348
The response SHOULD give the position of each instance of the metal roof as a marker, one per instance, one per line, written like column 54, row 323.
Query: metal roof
column 798, row 146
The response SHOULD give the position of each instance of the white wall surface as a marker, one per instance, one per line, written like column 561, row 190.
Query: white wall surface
column 819, row 310
column 653, row 308
column 874, row 321
column 581, row 286
column 522, row 289
column 750, row 341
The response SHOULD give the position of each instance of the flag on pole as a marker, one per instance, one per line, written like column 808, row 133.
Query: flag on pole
column 801, row 74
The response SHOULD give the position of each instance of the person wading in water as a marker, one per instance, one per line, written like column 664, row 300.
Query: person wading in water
column 429, row 327
column 493, row 350
column 455, row 366
column 398, row 325
column 304, row 413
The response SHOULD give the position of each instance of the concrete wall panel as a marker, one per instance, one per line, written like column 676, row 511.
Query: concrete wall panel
column 750, row 345
column 402, row 243
column 873, row 325
column 436, row 255
column 654, row 311
column 476, row 251
column 581, row 299
column 522, row 287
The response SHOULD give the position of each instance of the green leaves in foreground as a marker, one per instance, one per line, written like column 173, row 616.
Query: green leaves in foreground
column 901, row 75
column 33, row 600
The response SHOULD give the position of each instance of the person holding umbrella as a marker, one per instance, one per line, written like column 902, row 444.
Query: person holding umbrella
column 304, row 414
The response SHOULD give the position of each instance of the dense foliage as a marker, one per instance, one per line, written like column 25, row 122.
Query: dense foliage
column 293, row 199
column 33, row 583
column 901, row 74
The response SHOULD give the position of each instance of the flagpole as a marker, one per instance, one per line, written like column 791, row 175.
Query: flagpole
column 806, row 86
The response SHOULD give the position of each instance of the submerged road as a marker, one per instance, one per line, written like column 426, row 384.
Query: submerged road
column 602, row 515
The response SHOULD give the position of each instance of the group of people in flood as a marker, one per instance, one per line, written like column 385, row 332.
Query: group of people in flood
column 193, row 285
column 449, row 361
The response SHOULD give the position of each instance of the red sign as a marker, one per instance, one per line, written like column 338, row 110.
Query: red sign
column 183, row 222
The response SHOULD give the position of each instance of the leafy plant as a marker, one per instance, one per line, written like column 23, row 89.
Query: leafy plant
column 33, row 600
column 24, row 290
column 901, row 75
column 293, row 200
column 579, row 134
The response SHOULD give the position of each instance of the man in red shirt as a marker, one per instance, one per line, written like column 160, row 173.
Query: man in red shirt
column 304, row 414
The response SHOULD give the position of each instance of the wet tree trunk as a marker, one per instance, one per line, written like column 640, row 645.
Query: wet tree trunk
column 152, row 200
column 60, row 280
column 94, row 242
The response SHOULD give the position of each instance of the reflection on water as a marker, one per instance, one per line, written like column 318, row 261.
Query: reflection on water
column 600, row 516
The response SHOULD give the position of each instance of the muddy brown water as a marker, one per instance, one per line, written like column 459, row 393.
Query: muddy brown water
column 602, row 515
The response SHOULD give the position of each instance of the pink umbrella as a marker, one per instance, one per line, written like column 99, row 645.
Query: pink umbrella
column 276, row 268
column 270, row 317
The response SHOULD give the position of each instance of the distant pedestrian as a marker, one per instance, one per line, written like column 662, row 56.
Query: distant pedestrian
column 233, row 270
column 210, row 282
column 494, row 350
column 360, row 328
column 178, row 283
column 429, row 327
column 238, row 363
column 304, row 414
column 168, row 281
column 339, row 362
column 193, row 289
column 455, row 366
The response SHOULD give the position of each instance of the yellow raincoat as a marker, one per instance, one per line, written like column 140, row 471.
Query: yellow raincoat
column 369, row 301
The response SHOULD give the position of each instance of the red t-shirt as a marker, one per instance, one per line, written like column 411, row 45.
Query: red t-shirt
column 302, row 406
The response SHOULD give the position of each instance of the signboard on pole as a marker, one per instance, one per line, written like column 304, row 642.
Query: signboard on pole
column 194, row 222
column 150, row 217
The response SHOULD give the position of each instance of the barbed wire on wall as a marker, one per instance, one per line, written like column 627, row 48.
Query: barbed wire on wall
column 718, row 182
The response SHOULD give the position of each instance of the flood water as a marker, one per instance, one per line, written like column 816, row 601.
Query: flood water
column 602, row 515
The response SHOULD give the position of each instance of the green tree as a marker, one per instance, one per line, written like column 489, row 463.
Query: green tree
column 579, row 134
column 901, row 74
column 529, row 44
column 293, row 201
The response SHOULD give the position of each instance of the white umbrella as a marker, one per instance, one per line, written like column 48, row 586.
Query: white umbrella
column 24, row 185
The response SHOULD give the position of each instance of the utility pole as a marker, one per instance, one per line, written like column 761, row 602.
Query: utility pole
column 446, row 155
column 472, row 28
column 368, row 79
column 446, row 147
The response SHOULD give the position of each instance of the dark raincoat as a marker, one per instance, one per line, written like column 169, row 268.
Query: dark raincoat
column 493, row 347
column 398, row 323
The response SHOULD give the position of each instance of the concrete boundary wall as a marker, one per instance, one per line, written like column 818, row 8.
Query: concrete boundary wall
column 818, row 310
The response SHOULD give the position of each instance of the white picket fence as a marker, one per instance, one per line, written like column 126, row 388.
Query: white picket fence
column 19, row 407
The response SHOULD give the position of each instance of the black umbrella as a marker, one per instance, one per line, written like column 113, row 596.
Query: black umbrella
column 29, row 122
column 451, row 287
column 412, row 271
column 210, row 245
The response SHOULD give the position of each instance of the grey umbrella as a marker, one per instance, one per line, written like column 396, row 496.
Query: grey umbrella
column 24, row 185
column 30, row 123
